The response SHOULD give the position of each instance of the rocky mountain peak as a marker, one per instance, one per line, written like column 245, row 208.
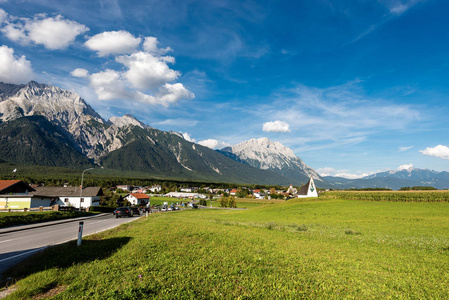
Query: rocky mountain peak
column 265, row 154
column 126, row 120
column 262, row 148
column 49, row 101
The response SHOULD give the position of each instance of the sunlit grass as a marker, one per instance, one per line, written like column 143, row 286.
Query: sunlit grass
column 309, row 248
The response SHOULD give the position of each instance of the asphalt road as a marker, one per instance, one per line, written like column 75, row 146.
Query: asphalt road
column 18, row 245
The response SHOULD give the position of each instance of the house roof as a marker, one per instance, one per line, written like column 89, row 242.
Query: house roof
column 292, row 190
column 140, row 196
column 50, row 191
column 304, row 189
column 14, row 186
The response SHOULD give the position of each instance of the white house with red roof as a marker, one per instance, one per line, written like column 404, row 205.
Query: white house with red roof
column 137, row 198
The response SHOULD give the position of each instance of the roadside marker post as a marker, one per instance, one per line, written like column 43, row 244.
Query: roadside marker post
column 146, row 214
column 80, row 234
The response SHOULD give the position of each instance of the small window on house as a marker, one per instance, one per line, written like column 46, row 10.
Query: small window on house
column 82, row 199
column 66, row 200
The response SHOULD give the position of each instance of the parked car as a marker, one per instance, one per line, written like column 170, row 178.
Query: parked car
column 123, row 212
column 135, row 210
column 146, row 209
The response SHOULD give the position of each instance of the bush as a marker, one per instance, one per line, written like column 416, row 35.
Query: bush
column 227, row 202
column 103, row 209
column 202, row 202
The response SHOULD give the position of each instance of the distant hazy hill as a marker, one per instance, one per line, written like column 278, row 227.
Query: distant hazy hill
column 395, row 179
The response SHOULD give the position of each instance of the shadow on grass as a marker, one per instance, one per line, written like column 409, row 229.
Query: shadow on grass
column 64, row 256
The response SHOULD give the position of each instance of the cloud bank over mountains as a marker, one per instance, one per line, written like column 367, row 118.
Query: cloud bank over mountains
column 137, row 69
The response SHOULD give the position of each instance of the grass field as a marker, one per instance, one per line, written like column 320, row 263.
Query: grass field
column 299, row 249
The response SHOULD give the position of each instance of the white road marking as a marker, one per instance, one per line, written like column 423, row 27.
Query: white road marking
column 22, row 254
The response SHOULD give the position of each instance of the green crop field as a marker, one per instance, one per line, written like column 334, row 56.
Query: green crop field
column 396, row 196
column 299, row 249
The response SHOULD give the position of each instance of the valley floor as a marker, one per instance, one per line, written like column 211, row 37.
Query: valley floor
column 309, row 248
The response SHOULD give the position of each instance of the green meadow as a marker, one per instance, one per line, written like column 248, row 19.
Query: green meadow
column 297, row 249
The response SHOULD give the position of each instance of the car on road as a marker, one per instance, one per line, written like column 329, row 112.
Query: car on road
column 135, row 210
column 123, row 212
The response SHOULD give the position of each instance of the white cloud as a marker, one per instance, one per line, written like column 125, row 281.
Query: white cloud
column 339, row 115
column 214, row 144
column 327, row 171
column 53, row 33
column 16, row 33
column 439, row 151
column 113, row 42
column 146, row 71
column 276, row 126
column 150, row 45
column 14, row 69
column 402, row 149
column 3, row 15
column 145, row 76
column 168, row 94
column 405, row 167
column 108, row 85
column 79, row 72
column 187, row 137
column 398, row 7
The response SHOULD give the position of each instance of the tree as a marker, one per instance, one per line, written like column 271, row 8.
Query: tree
column 242, row 193
column 109, row 199
column 227, row 202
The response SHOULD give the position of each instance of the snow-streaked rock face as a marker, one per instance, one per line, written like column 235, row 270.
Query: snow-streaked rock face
column 127, row 120
column 66, row 109
column 57, row 105
column 265, row 154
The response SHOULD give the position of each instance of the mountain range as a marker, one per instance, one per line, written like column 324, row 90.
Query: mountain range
column 394, row 179
column 45, row 125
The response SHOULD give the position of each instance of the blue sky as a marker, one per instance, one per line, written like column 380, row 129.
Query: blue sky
column 352, row 87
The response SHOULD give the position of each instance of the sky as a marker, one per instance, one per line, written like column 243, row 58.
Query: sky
column 353, row 87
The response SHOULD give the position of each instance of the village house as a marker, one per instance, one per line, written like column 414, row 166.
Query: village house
column 70, row 196
column 181, row 195
column 16, row 194
column 137, row 198
column 292, row 191
column 124, row 187
column 233, row 192
column 155, row 189
column 259, row 194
